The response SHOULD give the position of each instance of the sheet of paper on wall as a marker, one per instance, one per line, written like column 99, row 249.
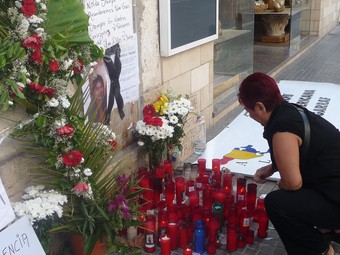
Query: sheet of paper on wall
column 6, row 212
column 20, row 239
column 241, row 146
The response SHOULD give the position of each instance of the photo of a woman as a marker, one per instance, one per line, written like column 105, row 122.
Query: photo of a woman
column 98, row 95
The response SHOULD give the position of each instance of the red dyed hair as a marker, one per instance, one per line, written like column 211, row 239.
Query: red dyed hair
column 259, row 87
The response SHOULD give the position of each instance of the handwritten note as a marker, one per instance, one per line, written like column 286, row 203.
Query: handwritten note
column 20, row 239
column 110, row 21
column 6, row 211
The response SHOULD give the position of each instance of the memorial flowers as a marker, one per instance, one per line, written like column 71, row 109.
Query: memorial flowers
column 44, row 50
column 162, row 126
column 43, row 207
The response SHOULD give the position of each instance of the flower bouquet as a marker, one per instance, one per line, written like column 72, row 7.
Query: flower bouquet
column 162, row 127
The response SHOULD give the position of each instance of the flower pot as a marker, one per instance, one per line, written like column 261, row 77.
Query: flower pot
column 77, row 246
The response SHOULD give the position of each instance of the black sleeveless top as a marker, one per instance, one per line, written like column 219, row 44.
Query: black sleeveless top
column 321, row 168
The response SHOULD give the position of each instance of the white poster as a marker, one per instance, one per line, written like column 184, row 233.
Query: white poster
column 241, row 146
column 110, row 21
column 20, row 239
column 6, row 212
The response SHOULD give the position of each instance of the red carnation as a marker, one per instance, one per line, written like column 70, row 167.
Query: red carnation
column 81, row 187
column 49, row 92
column 114, row 144
column 157, row 122
column 65, row 131
column 36, row 56
column 78, row 67
column 33, row 42
column 149, row 110
column 38, row 89
column 54, row 65
column 28, row 9
column 72, row 158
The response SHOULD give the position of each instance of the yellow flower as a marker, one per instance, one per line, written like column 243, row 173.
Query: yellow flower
column 161, row 104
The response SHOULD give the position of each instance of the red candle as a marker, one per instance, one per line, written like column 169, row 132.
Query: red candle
column 183, row 234
column 251, row 196
column 187, row 251
column 168, row 169
column 231, row 238
column 211, row 248
column 259, row 206
column 160, row 172
column 244, row 221
column 201, row 166
column 162, row 223
column 217, row 180
column 189, row 186
column 150, row 233
column 173, row 234
column 169, row 192
column 263, row 224
column 165, row 246
column 241, row 241
column 241, row 189
column 194, row 198
column 250, row 237
column 207, row 196
column 180, row 189
column 228, row 183
column 216, row 166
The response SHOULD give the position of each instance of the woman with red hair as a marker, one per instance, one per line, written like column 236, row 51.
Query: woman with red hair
column 305, row 210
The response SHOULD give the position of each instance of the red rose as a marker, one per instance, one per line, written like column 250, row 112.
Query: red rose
column 81, row 187
column 28, row 9
column 36, row 56
column 78, row 67
column 65, row 131
column 33, row 42
column 49, row 92
column 149, row 110
column 54, row 65
column 72, row 158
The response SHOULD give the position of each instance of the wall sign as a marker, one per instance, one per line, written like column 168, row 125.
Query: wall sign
column 185, row 24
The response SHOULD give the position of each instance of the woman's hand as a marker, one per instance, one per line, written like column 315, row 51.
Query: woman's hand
column 263, row 173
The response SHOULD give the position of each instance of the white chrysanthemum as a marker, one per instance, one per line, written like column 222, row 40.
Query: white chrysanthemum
column 173, row 119
column 53, row 102
column 64, row 102
column 43, row 6
column 18, row 4
column 67, row 63
column 35, row 19
column 40, row 31
column 140, row 143
column 77, row 170
column 87, row 172
column 23, row 26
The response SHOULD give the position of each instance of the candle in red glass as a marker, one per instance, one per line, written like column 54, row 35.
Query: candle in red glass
column 228, row 201
column 165, row 245
column 251, row 196
column 162, row 223
column 180, row 211
column 216, row 179
column 241, row 241
column 216, row 166
column 180, row 189
column 263, row 224
column 150, row 233
column 201, row 166
column 232, row 217
column 219, row 196
column 250, row 237
column 194, row 198
column 232, row 238
column 207, row 196
column 213, row 226
column 173, row 234
column 241, row 205
column 228, row 183
column 160, row 172
column 187, row 251
column 206, row 178
column 259, row 206
column 197, row 213
column 211, row 247
column 244, row 221
column 158, row 190
column 168, row 169
column 183, row 234
column 189, row 186
column 169, row 192
column 207, row 214
column 241, row 189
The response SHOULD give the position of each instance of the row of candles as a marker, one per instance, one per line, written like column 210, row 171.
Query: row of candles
column 198, row 211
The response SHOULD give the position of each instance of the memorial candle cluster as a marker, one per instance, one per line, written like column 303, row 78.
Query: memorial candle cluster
column 194, row 209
